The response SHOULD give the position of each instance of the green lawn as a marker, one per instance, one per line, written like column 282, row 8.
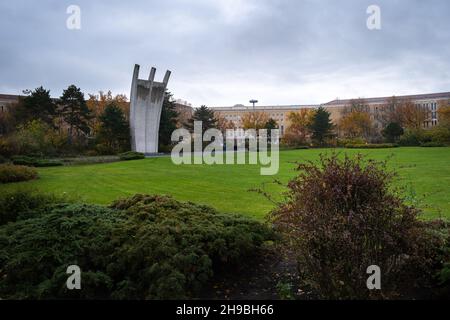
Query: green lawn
column 424, row 171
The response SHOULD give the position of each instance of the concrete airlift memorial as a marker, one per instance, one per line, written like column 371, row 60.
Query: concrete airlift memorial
column 146, row 100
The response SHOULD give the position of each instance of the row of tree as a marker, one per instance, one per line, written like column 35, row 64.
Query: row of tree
column 304, row 125
column 211, row 119
column 390, row 121
column 73, row 124
column 358, row 122
column 100, row 123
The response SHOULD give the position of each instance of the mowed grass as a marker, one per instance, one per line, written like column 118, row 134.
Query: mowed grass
column 424, row 172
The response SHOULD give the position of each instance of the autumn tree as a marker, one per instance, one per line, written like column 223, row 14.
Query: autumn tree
column 98, row 102
column 356, row 105
column 222, row 123
column 444, row 113
column 254, row 120
column 386, row 113
column 356, row 124
column 298, row 130
column 410, row 115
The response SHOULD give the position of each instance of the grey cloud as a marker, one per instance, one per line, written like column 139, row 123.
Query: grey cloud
column 225, row 52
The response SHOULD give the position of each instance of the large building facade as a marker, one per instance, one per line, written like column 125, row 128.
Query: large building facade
column 184, row 110
column 278, row 113
column 336, row 108
column 429, row 102
column 6, row 100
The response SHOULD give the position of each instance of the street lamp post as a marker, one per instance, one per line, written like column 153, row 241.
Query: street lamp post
column 253, row 101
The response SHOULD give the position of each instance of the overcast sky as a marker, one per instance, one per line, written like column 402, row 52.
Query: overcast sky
column 224, row 52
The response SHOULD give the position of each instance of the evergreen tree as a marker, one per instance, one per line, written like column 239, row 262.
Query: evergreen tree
column 321, row 125
column 168, row 122
column 74, row 111
column 206, row 116
column 37, row 106
column 392, row 132
column 114, row 129
column 271, row 124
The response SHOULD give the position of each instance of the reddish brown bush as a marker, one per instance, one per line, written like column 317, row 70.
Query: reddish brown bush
column 343, row 215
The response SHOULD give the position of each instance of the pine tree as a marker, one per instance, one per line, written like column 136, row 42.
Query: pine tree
column 74, row 111
column 114, row 128
column 392, row 132
column 271, row 124
column 206, row 116
column 168, row 122
column 37, row 106
column 321, row 125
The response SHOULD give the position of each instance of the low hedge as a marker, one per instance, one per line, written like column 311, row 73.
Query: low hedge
column 371, row 146
column 286, row 147
column 13, row 173
column 47, row 163
column 34, row 162
column 342, row 142
column 432, row 144
column 144, row 247
column 131, row 155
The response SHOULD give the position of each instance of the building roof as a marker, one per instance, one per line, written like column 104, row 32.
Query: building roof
column 9, row 97
column 241, row 107
column 441, row 95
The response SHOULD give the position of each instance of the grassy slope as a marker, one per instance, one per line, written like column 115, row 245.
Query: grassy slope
column 226, row 187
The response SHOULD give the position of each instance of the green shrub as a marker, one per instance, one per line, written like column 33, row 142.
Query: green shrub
column 342, row 216
column 80, row 160
column 104, row 150
column 342, row 142
column 23, row 204
column 24, row 161
column 36, row 252
column 414, row 138
column 13, row 173
column 35, row 162
column 8, row 146
column 3, row 159
column 371, row 146
column 432, row 144
column 131, row 155
column 92, row 153
column 165, row 148
column 48, row 163
column 440, row 134
column 444, row 272
column 287, row 147
column 392, row 132
column 35, row 136
column 144, row 247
